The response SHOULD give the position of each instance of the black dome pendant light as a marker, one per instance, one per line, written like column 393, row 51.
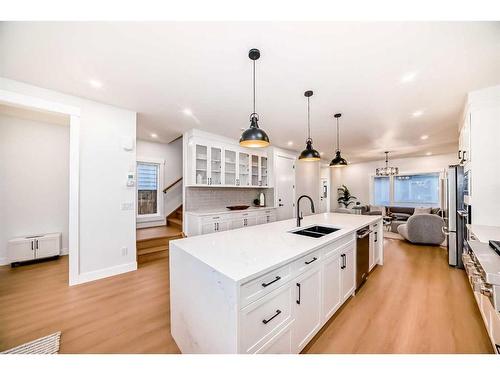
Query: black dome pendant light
column 309, row 154
column 254, row 136
column 338, row 161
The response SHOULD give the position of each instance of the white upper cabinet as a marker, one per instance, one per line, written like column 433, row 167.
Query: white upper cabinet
column 217, row 163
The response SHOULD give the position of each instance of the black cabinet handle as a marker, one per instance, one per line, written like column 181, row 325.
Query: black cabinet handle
column 312, row 260
column 32, row 242
column 265, row 321
column 343, row 262
column 298, row 301
column 463, row 156
column 459, row 154
column 36, row 244
column 376, row 239
column 269, row 283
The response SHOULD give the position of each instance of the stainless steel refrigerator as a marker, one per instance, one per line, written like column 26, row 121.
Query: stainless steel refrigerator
column 454, row 203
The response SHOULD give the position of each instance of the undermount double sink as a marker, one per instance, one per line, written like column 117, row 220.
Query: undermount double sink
column 315, row 231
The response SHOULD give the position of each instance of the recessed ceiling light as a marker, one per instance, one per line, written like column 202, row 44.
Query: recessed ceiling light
column 408, row 77
column 187, row 112
column 428, row 153
column 154, row 135
column 424, row 137
column 290, row 143
column 95, row 83
column 417, row 113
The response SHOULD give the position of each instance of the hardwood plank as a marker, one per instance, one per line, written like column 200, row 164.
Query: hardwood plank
column 415, row 303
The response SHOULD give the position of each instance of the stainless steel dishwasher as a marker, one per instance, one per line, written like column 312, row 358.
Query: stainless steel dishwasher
column 362, row 255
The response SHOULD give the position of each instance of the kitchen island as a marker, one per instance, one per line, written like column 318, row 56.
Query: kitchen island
column 264, row 289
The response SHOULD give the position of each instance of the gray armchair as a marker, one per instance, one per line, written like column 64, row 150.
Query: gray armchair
column 423, row 229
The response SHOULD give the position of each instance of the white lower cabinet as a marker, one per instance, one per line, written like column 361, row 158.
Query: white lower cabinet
column 210, row 223
column 376, row 238
column 348, row 273
column 285, row 308
column 261, row 320
column 307, row 308
column 332, row 279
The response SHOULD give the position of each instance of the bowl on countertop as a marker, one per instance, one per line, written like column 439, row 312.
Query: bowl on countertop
column 238, row 207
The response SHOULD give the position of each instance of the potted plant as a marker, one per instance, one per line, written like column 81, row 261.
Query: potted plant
column 344, row 196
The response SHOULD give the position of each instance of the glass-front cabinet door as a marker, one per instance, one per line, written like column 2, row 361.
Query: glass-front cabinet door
column 215, row 177
column 201, row 165
column 263, row 171
column 255, row 170
column 230, row 168
column 243, row 169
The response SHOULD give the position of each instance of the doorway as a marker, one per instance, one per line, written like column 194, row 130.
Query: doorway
column 285, row 186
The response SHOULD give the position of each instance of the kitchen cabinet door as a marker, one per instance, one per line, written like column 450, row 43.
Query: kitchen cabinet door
column 215, row 177
column 348, row 274
column 200, row 170
column 20, row 250
column 243, row 169
column 230, row 176
column 208, row 228
column 332, row 274
column 263, row 171
column 47, row 246
column 255, row 170
column 307, row 308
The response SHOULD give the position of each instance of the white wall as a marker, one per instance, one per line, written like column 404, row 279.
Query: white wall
column 34, row 170
column 171, row 154
column 105, row 229
column 357, row 176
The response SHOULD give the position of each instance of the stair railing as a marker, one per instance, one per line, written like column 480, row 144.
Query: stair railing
column 172, row 185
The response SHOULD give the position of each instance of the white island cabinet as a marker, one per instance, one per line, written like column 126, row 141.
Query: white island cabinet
column 262, row 289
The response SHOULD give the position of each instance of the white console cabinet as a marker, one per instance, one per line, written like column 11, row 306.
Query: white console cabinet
column 23, row 249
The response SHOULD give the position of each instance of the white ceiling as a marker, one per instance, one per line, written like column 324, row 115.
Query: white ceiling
column 161, row 68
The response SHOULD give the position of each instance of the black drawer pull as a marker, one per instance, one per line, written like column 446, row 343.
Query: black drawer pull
column 269, row 283
column 265, row 321
column 312, row 260
column 298, row 301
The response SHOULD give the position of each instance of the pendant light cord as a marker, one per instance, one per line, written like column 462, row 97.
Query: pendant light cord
column 253, row 86
column 308, row 120
column 338, row 135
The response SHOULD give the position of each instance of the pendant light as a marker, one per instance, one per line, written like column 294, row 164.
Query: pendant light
column 309, row 154
column 338, row 161
column 387, row 171
column 254, row 136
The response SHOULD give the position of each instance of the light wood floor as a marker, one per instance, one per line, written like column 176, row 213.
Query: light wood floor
column 415, row 303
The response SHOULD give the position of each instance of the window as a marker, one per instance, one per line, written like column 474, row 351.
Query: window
column 410, row 190
column 148, row 186
column 381, row 191
column 417, row 190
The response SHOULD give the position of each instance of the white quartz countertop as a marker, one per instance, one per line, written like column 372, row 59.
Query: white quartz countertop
column 484, row 233
column 245, row 253
column 489, row 260
column 224, row 210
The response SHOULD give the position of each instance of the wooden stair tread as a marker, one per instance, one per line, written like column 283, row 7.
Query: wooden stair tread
column 145, row 234
column 150, row 250
column 175, row 220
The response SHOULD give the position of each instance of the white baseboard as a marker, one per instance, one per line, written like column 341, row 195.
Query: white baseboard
column 106, row 272
column 4, row 261
column 64, row 252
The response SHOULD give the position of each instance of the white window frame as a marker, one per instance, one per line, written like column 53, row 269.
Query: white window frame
column 159, row 196
column 408, row 173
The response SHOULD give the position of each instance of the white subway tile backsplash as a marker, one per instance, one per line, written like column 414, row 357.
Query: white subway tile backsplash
column 203, row 198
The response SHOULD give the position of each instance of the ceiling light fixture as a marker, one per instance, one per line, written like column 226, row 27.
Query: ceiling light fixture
column 338, row 161
column 387, row 171
column 428, row 153
column 187, row 112
column 424, row 137
column 290, row 143
column 408, row 77
column 95, row 83
column 417, row 113
column 254, row 136
column 154, row 135
column 309, row 153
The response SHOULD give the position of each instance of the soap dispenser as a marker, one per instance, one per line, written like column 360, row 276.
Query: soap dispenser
column 262, row 199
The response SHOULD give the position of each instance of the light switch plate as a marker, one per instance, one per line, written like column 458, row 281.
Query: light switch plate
column 127, row 206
